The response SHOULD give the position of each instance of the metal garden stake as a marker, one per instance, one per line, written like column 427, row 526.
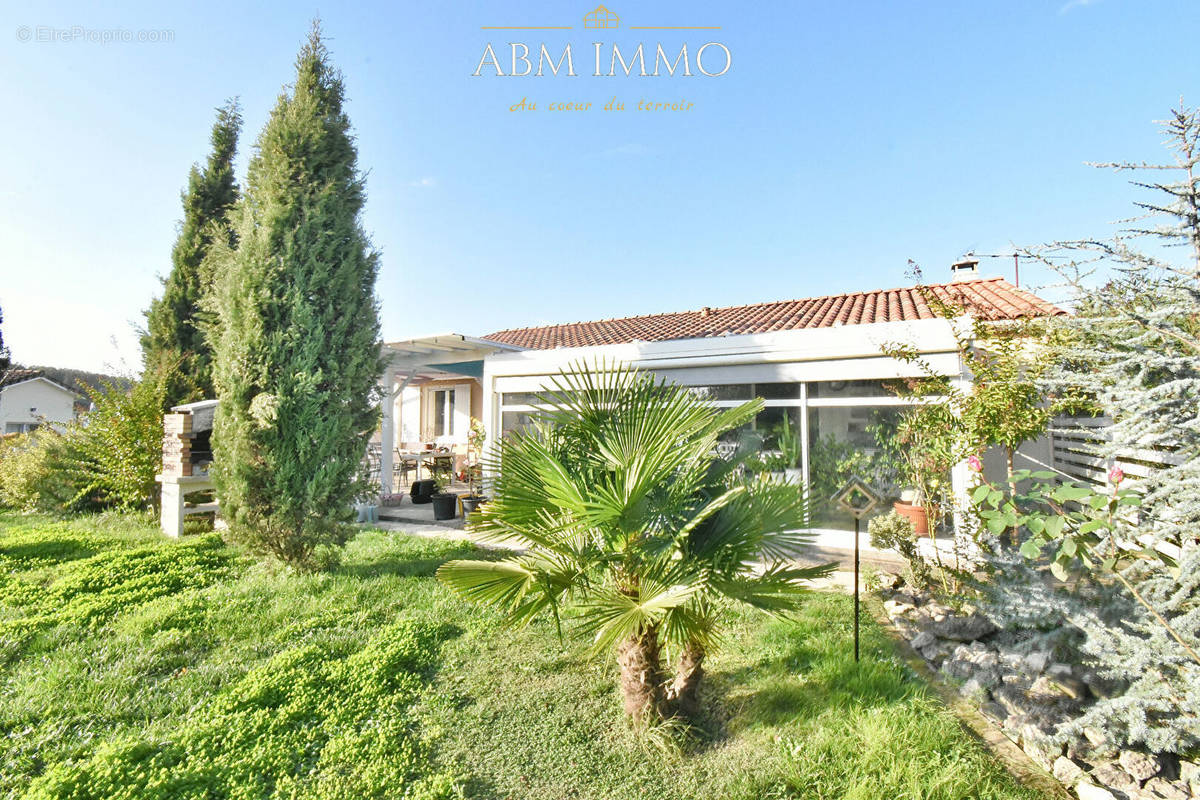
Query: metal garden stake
column 857, row 499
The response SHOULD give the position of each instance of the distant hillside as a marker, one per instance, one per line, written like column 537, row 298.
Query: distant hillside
column 78, row 380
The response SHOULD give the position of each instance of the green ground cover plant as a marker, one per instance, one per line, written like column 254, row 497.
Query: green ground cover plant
column 241, row 679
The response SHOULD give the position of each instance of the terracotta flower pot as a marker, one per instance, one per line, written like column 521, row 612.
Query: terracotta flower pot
column 915, row 514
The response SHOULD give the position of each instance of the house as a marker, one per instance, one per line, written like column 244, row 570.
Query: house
column 28, row 399
column 818, row 364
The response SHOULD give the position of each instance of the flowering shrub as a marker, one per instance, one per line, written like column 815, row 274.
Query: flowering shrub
column 1078, row 519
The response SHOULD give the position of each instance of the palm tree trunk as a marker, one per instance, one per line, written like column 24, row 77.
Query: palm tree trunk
column 683, row 694
column 641, row 676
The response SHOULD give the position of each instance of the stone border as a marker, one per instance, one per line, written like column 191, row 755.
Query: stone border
column 1015, row 760
column 1022, row 695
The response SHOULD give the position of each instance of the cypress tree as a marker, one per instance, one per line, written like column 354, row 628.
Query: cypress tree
column 297, row 355
column 175, row 345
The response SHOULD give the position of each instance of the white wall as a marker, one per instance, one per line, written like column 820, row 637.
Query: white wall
column 33, row 402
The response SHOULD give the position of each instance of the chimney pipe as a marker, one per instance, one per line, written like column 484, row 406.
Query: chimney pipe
column 965, row 269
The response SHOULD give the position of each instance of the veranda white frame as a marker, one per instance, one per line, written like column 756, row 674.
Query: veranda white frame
column 847, row 353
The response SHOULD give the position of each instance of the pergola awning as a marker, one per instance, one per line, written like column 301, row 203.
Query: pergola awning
column 417, row 361
column 440, row 356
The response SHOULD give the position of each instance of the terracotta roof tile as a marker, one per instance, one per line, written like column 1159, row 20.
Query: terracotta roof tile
column 985, row 298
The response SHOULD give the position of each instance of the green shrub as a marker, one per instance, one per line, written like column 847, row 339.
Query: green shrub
column 117, row 449
column 35, row 472
column 894, row 531
column 108, row 458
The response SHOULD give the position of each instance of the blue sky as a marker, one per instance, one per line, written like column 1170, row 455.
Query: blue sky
column 845, row 139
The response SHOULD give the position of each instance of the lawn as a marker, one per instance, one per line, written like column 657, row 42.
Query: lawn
column 142, row 668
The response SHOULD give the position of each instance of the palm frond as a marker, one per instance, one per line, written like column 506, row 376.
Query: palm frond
column 614, row 616
column 495, row 583
column 778, row 590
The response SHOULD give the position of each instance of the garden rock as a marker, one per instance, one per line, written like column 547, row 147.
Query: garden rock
column 1059, row 670
column 1114, row 777
column 986, row 659
column 1096, row 738
column 1046, row 690
column 1141, row 766
column 974, row 690
column 1011, row 660
column 1037, row 661
column 1037, row 745
column 1014, row 699
column 1070, row 686
column 1158, row 787
column 1189, row 771
column 957, row 667
column 1066, row 770
column 923, row 640
column 1090, row 791
column 963, row 629
column 896, row 608
column 994, row 711
column 1100, row 687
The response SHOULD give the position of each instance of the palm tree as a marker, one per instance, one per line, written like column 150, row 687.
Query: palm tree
column 629, row 518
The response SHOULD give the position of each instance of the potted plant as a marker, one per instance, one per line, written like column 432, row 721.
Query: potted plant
column 445, row 504
column 792, row 452
column 908, row 507
column 776, row 465
column 366, row 500
column 476, row 436
column 931, row 439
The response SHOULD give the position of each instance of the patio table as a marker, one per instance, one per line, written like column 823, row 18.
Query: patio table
column 420, row 458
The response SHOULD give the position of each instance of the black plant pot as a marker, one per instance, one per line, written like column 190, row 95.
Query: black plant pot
column 421, row 491
column 445, row 506
column 471, row 502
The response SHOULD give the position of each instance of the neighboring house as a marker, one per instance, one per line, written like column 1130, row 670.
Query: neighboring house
column 818, row 364
column 28, row 400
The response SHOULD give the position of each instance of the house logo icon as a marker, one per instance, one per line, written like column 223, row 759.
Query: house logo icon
column 601, row 18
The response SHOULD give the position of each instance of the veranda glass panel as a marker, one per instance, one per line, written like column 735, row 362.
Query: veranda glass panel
column 777, row 391
column 829, row 389
column 514, row 420
column 728, row 391
column 777, row 433
column 852, row 441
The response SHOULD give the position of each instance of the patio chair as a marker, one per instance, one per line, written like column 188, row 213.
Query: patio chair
column 373, row 462
column 401, row 467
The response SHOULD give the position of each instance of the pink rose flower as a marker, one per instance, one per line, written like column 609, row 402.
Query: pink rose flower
column 974, row 464
column 1116, row 475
